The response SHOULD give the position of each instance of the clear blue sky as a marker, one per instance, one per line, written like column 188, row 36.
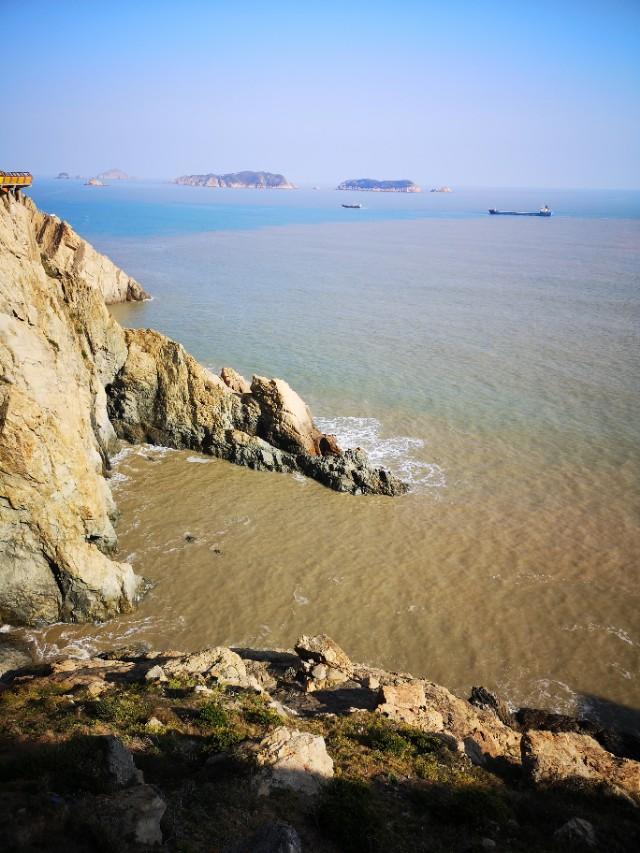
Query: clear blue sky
column 464, row 92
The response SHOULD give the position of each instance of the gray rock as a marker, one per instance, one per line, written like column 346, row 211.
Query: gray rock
column 269, row 838
column 119, row 763
column 577, row 831
column 132, row 815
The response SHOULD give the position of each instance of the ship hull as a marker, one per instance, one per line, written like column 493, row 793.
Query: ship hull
column 544, row 213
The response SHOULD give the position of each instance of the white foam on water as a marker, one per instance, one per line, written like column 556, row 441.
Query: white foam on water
column 592, row 627
column 396, row 453
column 300, row 598
column 198, row 459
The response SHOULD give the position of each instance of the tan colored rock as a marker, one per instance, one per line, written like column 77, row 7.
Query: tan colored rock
column 295, row 760
column 232, row 379
column 59, row 347
column 286, row 419
column 433, row 708
column 549, row 757
column 323, row 650
column 220, row 663
column 67, row 252
column 407, row 695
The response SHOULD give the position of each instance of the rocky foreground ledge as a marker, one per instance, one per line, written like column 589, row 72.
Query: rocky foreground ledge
column 250, row 751
column 72, row 381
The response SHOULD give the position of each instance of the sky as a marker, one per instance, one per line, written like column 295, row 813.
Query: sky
column 460, row 92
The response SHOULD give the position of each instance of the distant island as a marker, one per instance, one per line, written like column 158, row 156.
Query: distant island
column 373, row 186
column 63, row 176
column 238, row 180
column 441, row 190
column 114, row 175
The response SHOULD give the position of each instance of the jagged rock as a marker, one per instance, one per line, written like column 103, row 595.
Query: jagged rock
column 269, row 838
column 577, row 832
column 232, row 379
column 67, row 252
column 549, row 757
column 132, row 815
column 163, row 396
column 323, row 650
column 482, row 698
column 59, row 347
column 293, row 759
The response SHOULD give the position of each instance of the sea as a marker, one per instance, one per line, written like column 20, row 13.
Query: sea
column 491, row 362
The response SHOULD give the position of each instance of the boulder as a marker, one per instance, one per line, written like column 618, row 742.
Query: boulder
column 295, row 760
column 276, row 837
column 132, row 815
column 321, row 649
column 577, row 832
column 118, row 762
column 552, row 757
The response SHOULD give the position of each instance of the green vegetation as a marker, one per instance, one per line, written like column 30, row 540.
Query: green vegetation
column 395, row 787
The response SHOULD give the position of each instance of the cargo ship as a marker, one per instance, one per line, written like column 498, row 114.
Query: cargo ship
column 544, row 211
column 353, row 206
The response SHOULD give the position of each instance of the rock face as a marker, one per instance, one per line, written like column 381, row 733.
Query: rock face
column 549, row 757
column 163, row 396
column 238, row 180
column 371, row 185
column 69, row 375
column 66, row 252
column 59, row 347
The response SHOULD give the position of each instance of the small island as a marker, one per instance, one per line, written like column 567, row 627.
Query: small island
column 238, row 180
column 63, row 176
column 371, row 185
column 114, row 175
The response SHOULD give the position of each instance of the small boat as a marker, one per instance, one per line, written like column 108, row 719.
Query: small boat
column 544, row 211
column 353, row 206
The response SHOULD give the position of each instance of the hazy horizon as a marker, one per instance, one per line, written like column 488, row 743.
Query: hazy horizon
column 475, row 95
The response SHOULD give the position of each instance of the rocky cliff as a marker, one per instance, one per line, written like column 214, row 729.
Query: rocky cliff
column 59, row 348
column 71, row 381
column 238, row 180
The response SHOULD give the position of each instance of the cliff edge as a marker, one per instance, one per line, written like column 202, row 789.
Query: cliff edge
column 72, row 382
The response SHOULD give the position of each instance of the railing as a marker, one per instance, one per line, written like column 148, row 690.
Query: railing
column 15, row 180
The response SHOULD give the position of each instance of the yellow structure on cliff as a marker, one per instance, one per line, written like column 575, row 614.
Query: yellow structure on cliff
column 15, row 180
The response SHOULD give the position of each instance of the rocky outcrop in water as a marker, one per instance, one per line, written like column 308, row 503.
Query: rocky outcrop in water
column 60, row 353
column 238, row 180
column 163, row 396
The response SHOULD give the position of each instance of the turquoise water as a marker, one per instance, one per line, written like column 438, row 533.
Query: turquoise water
column 492, row 362
column 145, row 209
